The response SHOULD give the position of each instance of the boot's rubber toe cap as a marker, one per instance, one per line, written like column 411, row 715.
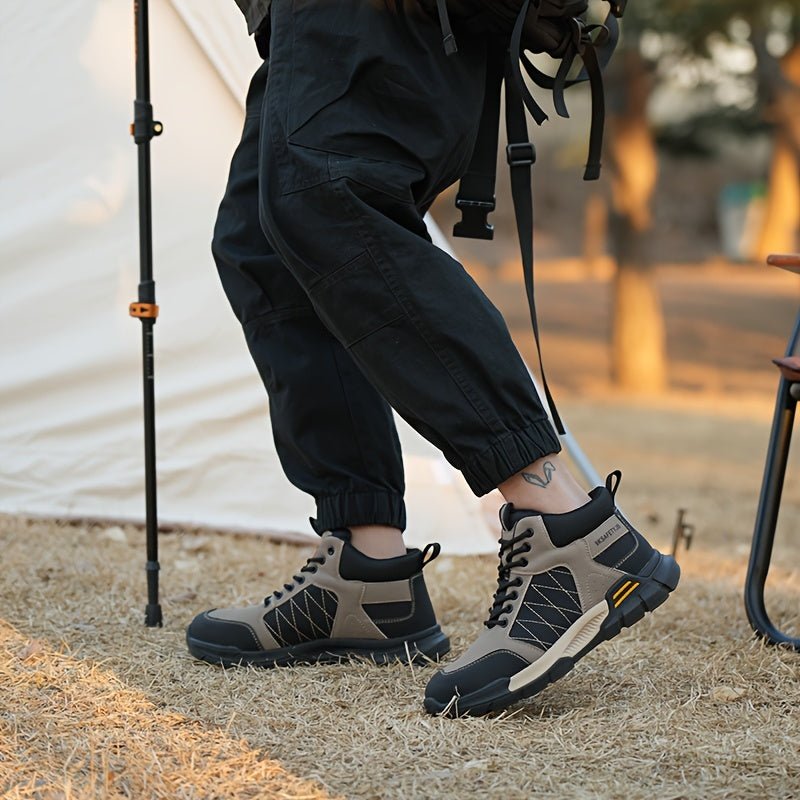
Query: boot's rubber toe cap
column 473, row 677
column 222, row 632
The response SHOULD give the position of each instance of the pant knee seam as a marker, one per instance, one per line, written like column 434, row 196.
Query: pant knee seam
column 375, row 330
column 451, row 368
column 275, row 315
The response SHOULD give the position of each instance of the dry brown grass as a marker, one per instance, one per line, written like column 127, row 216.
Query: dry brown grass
column 687, row 705
column 72, row 728
column 94, row 705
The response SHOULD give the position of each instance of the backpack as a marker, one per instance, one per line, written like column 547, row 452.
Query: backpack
column 514, row 28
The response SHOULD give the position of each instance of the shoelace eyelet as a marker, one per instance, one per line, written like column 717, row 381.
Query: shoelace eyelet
column 331, row 551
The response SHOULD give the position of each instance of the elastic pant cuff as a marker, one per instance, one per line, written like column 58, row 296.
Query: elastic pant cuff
column 360, row 508
column 510, row 454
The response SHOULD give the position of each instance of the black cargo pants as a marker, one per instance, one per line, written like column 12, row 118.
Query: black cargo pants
column 353, row 125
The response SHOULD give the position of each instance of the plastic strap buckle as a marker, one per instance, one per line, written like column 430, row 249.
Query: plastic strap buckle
column 474, row 222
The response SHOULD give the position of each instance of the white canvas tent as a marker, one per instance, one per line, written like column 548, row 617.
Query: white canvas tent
column 70, row 361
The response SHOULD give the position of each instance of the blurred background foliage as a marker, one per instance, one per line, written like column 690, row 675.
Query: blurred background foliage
column 701, row 181
column 710, row 79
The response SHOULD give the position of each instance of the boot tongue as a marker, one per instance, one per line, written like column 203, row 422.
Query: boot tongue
column 510, row 516
column 562, row 528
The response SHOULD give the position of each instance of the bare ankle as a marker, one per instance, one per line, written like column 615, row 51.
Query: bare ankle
column 547, row 485
column 378, row 541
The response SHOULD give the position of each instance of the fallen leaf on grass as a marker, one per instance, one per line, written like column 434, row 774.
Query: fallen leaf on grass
column 115, row 534
column 727, row 694
column 33, row 648
column 196, row 544
column 183, row 598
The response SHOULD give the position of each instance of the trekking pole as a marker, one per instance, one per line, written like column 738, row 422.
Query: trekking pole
column 143, row 130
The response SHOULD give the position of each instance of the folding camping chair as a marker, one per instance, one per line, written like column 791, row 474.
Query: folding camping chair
column 774, row 474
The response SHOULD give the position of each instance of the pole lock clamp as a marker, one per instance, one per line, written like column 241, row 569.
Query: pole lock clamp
column 143, row 310
column 144, row 127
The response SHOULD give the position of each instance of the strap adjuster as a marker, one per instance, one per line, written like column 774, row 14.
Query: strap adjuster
column 521, row 154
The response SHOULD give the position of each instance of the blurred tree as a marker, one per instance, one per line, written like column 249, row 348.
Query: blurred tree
column 779, row 233
column 712, row 37
column 771, row 29
column 779, row 84
column 638, row 347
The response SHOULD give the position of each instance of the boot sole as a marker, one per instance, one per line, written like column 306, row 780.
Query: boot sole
column 626, row 602
column 428, row 645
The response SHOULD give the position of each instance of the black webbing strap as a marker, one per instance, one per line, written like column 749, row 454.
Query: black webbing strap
column 594, row 58
column 595, row 72
column 476, row 192
column 521, row 155
column 595, row 44
column 516, row 50
column 604, row 38
column 449, row 41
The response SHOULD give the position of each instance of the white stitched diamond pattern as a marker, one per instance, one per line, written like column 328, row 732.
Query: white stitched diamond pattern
column 307, row 616
column 550, row 607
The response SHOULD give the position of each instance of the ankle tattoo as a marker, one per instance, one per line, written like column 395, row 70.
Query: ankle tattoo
column 548, row 468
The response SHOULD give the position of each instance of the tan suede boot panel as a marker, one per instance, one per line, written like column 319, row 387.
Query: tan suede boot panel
column 253, row 616
column 350, row 622
column 491, row 641
column 388, row 592
column 591, row 579
column 603, row 536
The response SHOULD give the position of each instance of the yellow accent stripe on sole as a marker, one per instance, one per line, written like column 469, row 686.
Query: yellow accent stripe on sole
column 621, row 590
column 624, row 596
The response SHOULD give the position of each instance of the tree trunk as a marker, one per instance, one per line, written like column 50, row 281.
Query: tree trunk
column 638, row 355
column 595, row 234
column 779, row 232
column 638, row 335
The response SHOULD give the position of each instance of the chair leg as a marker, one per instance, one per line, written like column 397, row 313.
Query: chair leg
column 767, row 519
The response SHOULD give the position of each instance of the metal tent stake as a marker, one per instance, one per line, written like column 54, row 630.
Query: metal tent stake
column 143, row 130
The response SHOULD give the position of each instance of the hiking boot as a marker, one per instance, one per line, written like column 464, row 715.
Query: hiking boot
column 341, row 604
column 566, row 582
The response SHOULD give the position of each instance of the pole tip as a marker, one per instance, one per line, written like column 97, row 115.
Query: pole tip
column 152, row 615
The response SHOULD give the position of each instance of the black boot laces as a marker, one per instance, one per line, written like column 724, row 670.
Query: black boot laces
column 506, row 587
column 311, row 566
